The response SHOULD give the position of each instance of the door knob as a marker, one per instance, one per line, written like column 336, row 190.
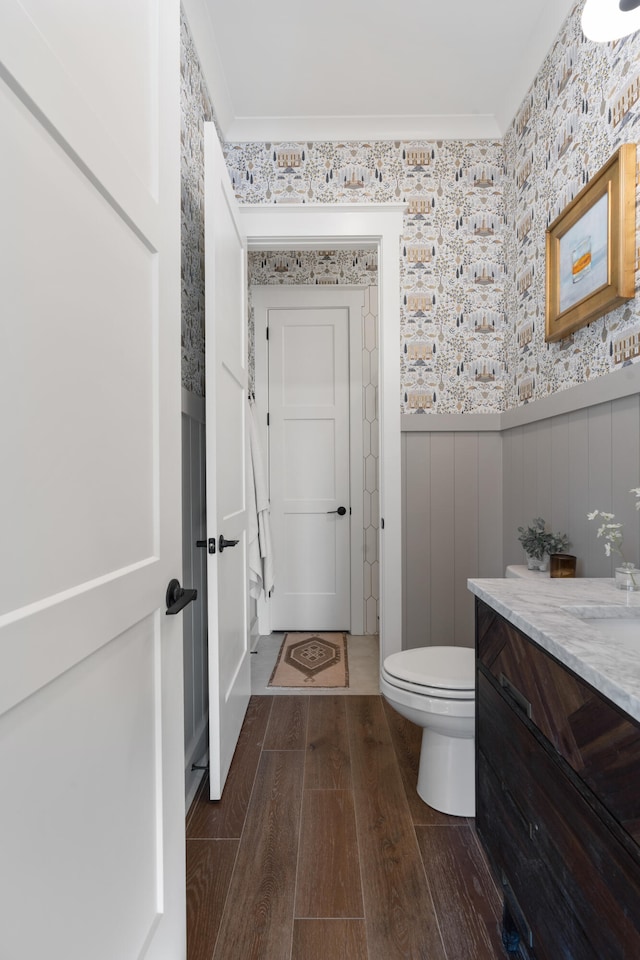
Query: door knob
column 340, row 511
column 222, row 543
column 177, row 598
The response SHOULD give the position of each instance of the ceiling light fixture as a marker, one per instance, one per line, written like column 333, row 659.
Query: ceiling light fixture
column 605, row 20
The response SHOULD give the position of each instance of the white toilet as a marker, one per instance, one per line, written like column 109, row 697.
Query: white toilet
column 435, row 688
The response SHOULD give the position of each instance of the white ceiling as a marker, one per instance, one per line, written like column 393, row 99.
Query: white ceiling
column 371, row 69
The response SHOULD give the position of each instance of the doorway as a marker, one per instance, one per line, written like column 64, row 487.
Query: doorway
column 315, row 384
column 345, row 228
column 379, row 228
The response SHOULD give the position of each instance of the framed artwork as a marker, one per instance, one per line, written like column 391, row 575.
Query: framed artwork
column 590, row 254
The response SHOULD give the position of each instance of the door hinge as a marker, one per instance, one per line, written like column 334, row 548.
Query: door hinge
column 267, row 333
column 268, row 424
column 382, row 523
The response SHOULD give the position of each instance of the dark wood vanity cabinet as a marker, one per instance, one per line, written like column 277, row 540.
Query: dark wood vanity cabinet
column 558, row 800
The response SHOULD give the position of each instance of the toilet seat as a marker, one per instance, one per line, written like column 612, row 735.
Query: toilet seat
column 445, row 672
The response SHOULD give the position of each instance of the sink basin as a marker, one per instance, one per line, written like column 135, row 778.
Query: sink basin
column 619, row 624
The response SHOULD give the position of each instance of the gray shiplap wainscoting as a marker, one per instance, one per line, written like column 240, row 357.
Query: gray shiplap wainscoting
column 452, row 529
column 194, row 574
column 470, row 480
column 562, row 467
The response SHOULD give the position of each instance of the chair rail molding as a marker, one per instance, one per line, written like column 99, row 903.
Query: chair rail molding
column 611, row 386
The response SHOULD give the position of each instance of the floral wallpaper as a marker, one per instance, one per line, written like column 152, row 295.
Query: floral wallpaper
column 452, row 262
column 322, row 267
column 472, row 253
column 195, row 109
column 581, row 106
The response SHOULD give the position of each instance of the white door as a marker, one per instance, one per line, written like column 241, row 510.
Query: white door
column 309, row 467
column 91, row 744
column 226, row 390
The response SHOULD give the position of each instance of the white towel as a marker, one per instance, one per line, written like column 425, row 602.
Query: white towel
column 255, row 562
column 261, row 574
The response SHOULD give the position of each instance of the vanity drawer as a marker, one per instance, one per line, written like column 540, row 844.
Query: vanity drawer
column 545, row 920
column 572, row 876
column 599, row 741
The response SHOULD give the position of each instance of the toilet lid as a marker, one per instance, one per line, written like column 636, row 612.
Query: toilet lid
column 452, row 668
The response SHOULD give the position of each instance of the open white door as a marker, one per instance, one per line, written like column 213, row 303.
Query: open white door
column 91, row 746
column 226, row 400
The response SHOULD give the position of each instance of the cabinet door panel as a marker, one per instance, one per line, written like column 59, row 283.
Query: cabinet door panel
column 520, row 867
column 599, row 742
column 586, row 863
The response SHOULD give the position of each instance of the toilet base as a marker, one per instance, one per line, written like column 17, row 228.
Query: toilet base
column 446, row 776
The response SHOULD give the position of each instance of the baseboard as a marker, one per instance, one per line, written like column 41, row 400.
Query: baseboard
column 198, row 753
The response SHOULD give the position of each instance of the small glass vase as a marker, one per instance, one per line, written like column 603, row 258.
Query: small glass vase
column 627, row 577
column 534, row 564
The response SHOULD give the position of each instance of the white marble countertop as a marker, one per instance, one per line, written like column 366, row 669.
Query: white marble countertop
column 547, row 610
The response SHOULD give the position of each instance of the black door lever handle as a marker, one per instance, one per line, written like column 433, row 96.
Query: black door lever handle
column 222, row 543
column 177, row 598
column 340, row 511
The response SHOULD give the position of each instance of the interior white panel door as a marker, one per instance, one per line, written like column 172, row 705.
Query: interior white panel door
column 91, row 721
column 309, row 467
column 226, row 446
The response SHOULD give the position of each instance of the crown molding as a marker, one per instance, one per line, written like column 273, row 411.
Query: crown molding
column 327, row 129
column 543, row 33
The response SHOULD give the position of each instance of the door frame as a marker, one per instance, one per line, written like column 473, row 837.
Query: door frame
column 377, row 227
column 351, row 297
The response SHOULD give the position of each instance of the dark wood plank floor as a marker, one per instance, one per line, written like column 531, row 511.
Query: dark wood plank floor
column 321, row 849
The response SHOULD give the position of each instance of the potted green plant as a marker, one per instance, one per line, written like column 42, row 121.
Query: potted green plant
column 538, row 544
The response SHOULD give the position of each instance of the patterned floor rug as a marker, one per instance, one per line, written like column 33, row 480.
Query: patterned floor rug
column 312, row 660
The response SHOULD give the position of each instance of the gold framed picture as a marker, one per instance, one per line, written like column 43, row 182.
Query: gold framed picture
column 590, row 254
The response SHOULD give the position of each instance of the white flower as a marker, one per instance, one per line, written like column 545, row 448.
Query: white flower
column 612, row 532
